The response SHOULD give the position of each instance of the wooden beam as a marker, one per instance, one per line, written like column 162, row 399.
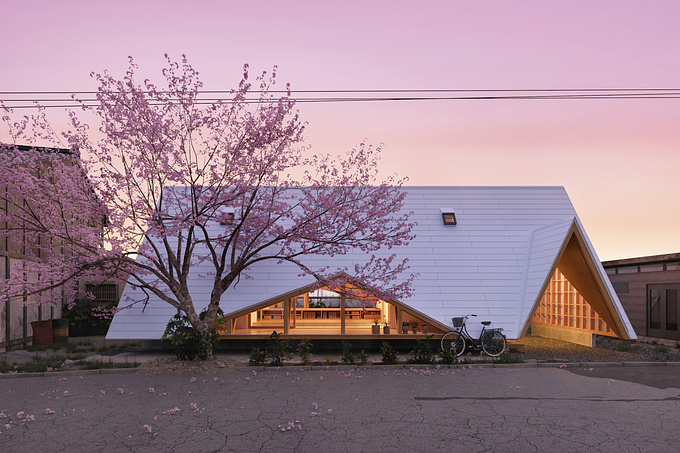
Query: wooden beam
column 342, row 314
column 286, row 315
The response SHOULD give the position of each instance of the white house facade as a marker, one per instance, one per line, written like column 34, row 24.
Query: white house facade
column 515, row 256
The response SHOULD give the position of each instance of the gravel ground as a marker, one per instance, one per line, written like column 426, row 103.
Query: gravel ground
column 607, row 350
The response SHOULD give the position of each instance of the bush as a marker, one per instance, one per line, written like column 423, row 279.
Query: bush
column 304, row 350
column 83, row 321
column 363, row 357
column 278, row 349
column 257, row 356
column 422, row 351
column 448, row 357
column 187, row 342
column 389, row 355
column 347, row 356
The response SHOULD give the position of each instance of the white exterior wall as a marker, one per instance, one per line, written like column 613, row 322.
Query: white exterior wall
column 492, row 263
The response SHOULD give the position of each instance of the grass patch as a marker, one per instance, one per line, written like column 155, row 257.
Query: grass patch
column 623, row 347
column 662, row 349
column 100, row 364
column 508, row 357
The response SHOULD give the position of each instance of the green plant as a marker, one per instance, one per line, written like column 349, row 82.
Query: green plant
column 448, row 357
column 422, row 350
column 389, row 355
column 414, row 324
column 278, row 349
column 385, row 323
column 187, row 342
column 662, row 349
column 376, row 322
column 257, row 356
column 304, row 350
column 508, row 357
column 83, row 321
column 623, row 347
column 347, row 356
column 363, row 357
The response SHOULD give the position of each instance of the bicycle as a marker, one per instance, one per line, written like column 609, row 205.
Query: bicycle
column 491, row 341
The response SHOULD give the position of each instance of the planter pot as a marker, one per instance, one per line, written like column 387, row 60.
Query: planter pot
column 415, row 329
column 386, row 330
column 424, row 329
column 404, row 329
column 375, row 329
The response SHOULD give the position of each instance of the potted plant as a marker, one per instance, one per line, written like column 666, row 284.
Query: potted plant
column 375, row 328
column 405, row 326
column 414, row 326
column 423, row 328
column 386, row 327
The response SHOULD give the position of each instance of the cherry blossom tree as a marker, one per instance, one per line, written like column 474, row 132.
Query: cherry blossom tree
column 138, row 203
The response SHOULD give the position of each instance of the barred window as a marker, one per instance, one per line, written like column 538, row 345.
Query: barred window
column 103, row 292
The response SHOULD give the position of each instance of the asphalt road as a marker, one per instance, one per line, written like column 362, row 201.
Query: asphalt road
column 513, row 409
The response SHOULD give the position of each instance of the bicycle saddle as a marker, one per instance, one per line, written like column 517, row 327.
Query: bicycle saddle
column 486, row 323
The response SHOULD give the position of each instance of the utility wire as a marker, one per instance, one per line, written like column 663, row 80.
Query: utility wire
column 382, row 95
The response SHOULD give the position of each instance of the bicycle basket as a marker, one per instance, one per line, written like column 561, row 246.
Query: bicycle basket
column 458, row 321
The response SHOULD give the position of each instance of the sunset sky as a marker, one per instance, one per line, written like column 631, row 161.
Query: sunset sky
column 619, row 159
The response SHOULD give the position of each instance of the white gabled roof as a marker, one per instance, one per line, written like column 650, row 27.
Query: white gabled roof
column 495, row 262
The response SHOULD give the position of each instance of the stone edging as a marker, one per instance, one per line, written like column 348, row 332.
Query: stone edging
column 364, row 367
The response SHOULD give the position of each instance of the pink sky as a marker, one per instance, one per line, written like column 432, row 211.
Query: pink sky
column 618, row 159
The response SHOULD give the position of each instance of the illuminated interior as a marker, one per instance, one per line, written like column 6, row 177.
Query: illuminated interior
column 323, row 312
column 564, row 307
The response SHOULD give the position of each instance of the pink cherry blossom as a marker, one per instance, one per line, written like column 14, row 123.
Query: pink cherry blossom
column 165, row 167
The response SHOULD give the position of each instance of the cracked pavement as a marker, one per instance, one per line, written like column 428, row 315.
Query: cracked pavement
column 342, row 409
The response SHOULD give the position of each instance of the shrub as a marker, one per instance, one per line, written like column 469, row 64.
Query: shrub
column 363, row 357
column 278, row 349
column 304, row 350
column 83, row 321
column 347, row 356
column 187, row 342
column 389, row 355
column 448, row 357
column 257, row 356
column 422, row 351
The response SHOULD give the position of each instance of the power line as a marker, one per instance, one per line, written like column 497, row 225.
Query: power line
column 383, row 95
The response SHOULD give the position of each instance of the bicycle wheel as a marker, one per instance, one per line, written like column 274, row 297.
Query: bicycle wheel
column 493, row 343
column 454, row 342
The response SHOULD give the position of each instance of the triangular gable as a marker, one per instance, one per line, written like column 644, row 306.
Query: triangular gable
column 307, row 288
column 577, row 261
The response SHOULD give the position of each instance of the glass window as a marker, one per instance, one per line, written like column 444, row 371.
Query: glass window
column 628, row 270
column 654, row 309
column 300, row 302
column 322, row 298
column 449, row 218
column 620, row 287
column 672, row 309
column 611, row 271
column 651, row 268
column 673, row 266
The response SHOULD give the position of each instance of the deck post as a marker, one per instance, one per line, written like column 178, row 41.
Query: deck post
column 342, row 313
column 399, row 319
column 286, row 315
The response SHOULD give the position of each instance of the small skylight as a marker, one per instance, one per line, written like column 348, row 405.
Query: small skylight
column 227, row 218
column 449, row 217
